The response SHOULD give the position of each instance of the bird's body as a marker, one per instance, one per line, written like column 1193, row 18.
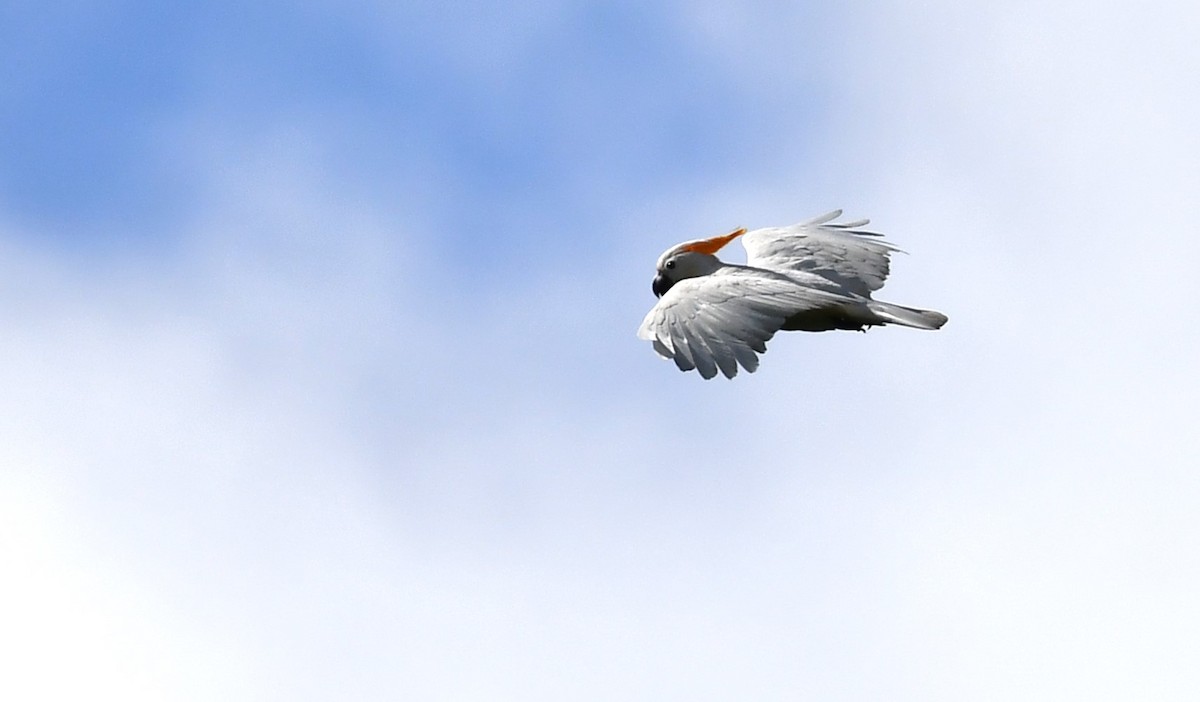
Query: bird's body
column 814, row 276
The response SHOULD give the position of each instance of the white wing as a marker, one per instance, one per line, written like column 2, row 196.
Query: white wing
column 855, row 261
column 722, row 320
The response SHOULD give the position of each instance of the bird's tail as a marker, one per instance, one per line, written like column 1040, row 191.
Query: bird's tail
column 907, row 316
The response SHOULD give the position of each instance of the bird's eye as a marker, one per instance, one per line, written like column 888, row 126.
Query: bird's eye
column 670, row 264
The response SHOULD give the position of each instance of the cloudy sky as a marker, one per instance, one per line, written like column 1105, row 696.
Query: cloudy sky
column 318, row 375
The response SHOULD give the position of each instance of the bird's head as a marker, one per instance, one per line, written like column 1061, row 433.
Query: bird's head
column 690, row 259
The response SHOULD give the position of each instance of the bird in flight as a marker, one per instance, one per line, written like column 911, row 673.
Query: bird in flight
column 814, row 276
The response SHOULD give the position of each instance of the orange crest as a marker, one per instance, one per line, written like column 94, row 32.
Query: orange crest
column 713, row 245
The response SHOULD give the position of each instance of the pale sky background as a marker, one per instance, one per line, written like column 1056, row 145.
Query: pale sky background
column 318, row 375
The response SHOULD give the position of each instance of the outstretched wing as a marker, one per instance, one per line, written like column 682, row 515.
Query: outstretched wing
column 725, row 319
column 855, row 261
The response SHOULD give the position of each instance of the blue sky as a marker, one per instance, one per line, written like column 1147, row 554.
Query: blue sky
column 320, row 377
column 451, row 96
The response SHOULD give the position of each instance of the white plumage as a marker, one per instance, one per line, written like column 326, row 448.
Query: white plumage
column 814, row 276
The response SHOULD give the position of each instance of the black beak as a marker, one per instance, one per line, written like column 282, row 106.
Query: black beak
column 661, row 285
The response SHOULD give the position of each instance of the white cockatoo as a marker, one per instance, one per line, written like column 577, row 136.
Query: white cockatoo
column 813, row 276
